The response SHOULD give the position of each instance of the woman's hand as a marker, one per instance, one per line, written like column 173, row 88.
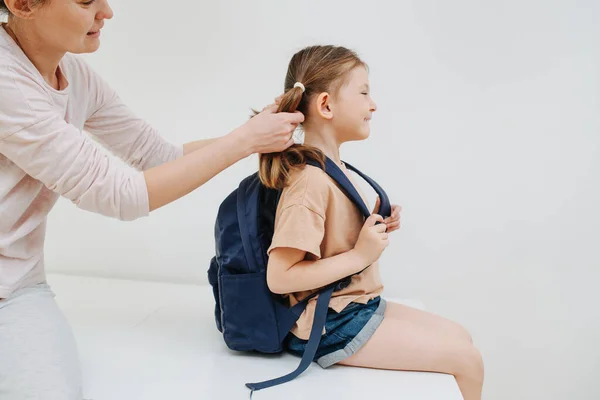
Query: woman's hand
column 270, row 131
column 277, row 102
column 393, row 221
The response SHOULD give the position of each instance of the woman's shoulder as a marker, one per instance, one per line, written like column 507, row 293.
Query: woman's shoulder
column 24, row 98
column 27, row 99
column 14, row 65
column 17, row 69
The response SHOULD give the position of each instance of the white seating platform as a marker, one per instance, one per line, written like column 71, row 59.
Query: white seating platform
column 158, row 341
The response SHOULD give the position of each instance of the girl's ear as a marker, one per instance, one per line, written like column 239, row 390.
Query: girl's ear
column 323, row 106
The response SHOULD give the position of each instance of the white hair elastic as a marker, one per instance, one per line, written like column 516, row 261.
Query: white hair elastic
column 301, row 86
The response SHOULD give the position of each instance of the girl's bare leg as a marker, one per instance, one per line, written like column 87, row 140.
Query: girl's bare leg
column 424, row 318
column 413, row 340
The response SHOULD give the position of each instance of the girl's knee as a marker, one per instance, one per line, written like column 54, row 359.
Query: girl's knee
column 478, row 362
column 471, row 363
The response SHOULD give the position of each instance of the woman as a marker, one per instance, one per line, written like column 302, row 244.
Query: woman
column 47, row 97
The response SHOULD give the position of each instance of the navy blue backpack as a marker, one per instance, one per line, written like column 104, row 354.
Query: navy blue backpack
column 247, row 313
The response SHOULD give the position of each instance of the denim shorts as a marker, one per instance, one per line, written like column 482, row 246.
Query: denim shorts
column 345, row 332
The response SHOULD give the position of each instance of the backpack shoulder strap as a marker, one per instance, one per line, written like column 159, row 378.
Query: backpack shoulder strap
column 385, row 207
column 348, row 188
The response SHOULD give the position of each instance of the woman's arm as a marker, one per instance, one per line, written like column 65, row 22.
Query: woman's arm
column 133, row 140
column 42, row 144
column 125, row 134
column 172, row 172
column 201, row 162
column 128, row 136
column 69, row 163
column 267, row 132
column 190, row 147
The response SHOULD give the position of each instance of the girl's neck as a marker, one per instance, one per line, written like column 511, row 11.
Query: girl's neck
column 325, row 141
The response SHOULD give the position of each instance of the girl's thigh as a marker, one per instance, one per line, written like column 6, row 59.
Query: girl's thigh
column 413, row 340
column 427, row 319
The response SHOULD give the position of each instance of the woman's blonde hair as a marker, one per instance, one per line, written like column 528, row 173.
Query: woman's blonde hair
column 319, row 69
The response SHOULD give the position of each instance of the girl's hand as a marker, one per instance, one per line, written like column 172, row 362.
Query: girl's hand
column 372, row 240
column 393, row 221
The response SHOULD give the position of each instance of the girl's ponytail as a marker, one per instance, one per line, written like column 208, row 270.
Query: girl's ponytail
column 275, row 168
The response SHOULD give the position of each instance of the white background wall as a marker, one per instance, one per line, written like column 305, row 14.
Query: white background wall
column 488, row 134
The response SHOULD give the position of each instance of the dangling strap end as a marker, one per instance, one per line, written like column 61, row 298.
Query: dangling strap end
column 251, row 387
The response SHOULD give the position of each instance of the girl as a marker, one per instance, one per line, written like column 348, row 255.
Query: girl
column 46, row 98
column 320, row 236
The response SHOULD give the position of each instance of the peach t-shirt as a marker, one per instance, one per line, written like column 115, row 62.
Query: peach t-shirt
column 315, row 216
column 44, row 154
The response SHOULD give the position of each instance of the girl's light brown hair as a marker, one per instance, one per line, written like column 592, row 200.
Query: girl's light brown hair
column 320, row 69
